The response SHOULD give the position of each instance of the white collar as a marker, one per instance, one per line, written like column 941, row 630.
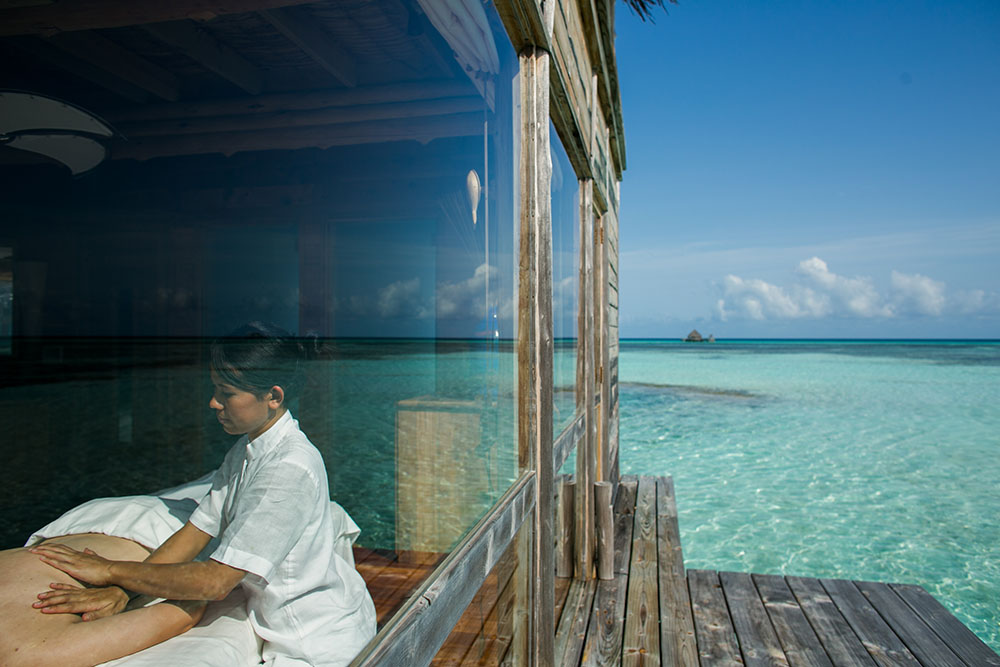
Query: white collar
column 270, row 438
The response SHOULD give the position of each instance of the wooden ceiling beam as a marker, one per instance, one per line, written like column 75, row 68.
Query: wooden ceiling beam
column 304, row 32
column 201, row 47
column 119, row 62
column 71, row 15
column 310, row 118
column 422, row 130
column 7, row 4
column 285, row 102
column 83, row 69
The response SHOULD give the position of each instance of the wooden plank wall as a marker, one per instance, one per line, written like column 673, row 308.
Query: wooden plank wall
column 600, row 163
column 571, row 83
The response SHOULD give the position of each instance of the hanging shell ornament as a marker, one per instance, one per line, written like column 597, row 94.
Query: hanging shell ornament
column 473, row 188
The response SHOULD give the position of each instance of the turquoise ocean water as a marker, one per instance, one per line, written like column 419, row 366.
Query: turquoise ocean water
column 875, row 460
column 861, row 460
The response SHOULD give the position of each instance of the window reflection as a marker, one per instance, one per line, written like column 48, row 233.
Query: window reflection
column 6, row 299
column 565, row 282
column 386, row 229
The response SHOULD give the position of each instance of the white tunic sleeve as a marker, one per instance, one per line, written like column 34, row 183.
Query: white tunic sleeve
column 269, row 513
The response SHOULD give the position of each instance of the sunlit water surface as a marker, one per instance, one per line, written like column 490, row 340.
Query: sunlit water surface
column 858, row 460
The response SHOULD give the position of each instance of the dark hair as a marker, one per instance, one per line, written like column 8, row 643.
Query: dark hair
column 258, row 356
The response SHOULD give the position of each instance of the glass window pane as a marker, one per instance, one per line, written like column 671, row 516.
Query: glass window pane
column 371, row 211
column 6, row 299
column 565, row 282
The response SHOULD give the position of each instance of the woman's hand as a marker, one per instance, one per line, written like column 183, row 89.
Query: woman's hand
column 91, row 603
column 84, row 565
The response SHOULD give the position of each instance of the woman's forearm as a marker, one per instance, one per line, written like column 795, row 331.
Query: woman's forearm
column 209, row 580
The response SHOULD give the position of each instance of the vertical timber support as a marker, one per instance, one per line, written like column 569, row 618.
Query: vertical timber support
column 602, row 357
column 586, row 462
column 536, row 599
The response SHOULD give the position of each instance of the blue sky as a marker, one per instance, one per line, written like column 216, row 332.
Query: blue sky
column 811, row 169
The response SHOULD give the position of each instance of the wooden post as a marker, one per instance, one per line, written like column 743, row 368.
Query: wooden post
column 605, row 530
column 602, row 353
column 535, row 349
column 585, row 454
column 565, row 520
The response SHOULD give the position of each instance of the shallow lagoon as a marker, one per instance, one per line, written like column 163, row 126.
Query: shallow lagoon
column 858, row 460
column 830, row 459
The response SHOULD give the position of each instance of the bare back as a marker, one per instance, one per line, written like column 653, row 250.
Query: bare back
column 29, row 637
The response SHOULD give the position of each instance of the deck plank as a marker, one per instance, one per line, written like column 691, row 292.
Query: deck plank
column 627, row 490
column 641, row 643
column 908, row 626
column 716, row 637
column 878, row 638
column 606, row 630
column 677, row 641
column 571, row 633
column 798, row 639
column 961, row 639
column 838, row 638
column 758, row 642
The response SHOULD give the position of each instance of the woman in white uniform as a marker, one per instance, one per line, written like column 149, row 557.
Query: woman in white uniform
column 269, row 506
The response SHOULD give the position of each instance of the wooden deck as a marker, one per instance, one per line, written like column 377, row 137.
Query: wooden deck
column 392, row 576
column 655, row 613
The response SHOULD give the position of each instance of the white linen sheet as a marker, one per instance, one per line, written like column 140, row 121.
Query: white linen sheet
column 224, row 636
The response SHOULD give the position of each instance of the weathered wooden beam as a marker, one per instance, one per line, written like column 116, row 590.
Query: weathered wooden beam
column 84, row 69
column 603, row 358
column 586, row 463
column 641, row 644
column 535, row 344
column 416, row 634
column 568, row 441
column 286, row 102
column 120, row 62
column 677, row 640
column 228, row 143
column 875, row 634
column 566, row 493
column 797, row 636
column 605, row 530
column 528, row 22
column 308, row 36
column 717, row 644
column 572, row 630
column 308, row 118
column 758, row 641
column 960, row 638
column 606, row 629
column 908, row 626
column 71, row 15
column 201, row 47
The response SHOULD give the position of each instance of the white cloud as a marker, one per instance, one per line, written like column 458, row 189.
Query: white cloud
column 977, row 302
column 917, row 294
column 760, row 300
column 465, row 298
column 823, row 293
column 400, row 299
column 853, row 296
